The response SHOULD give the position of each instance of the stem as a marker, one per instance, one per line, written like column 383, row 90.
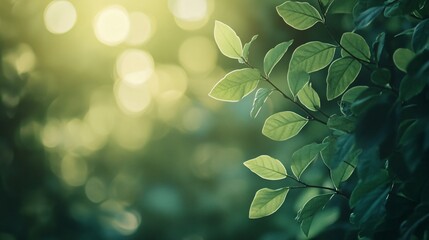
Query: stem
column 310, row 115
column 305, row 185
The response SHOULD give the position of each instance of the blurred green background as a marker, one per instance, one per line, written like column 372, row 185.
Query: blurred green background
column 107, row 131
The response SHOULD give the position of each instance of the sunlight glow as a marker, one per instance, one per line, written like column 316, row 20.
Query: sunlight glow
column 132, row 99
column 189, row 10
column 95, row 190
column 198, row 55
column 135, row 66
column 74, row 171
column 60, row 16
column 141, row 29
column 112, row 25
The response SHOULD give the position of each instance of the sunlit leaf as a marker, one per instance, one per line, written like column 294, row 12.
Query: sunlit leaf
column 283, row 125
column 421, row 36
column 267, row 201
column 227, row 41
column 297, row 80
column 246, row 49
column 366, row 17
column 236, row 85
column 362, row 188
column 261, row 97
column 274, row 55
column 341, row 74
column 304, row 156
column 299, row 15
column 312, row 206
column 401, row 58
column 309, row 97
column 267, row 167
column 345, row 169
column 355, row 45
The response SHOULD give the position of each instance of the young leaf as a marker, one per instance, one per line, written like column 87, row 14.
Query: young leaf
column 267, row 167
column 312, row 206
column 236, row 85
column 283, row 125
column 246, row 49
column 401, row 58
column 297, row 80
column 274, row 55
column 267, row 201
column 363, row 188
column 355, row 45
column 309, row 97
column 367, row 16
column 341, row 74
column 261, row 97
column 299, row 15
column 304, row 156
column 227, row 41
column 421, row 36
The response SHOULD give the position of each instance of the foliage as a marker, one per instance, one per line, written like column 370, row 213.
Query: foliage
column 377, row 149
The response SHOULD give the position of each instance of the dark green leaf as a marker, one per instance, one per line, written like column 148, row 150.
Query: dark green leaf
column 236, row 85
column 341, row 123
column 381, row 76
column 421, row 36
column 345, row 169
column 227, row 41
column 365, row 18
column 378, row 46
column 283, row 125
column 341, row 74
column 267, row 167
column 304, row 156
column 364, row 187
column 299, row 15
column 410, row 87
column 267, row 201
column 261, row 97
column 312, row 206
column 274, row 55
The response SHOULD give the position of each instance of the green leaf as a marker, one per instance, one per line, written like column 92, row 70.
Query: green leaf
column 410, row 87
column 345, row 169
column 366, row 17
column 283, row 125
column 267, row 167
column 309, row 57
column 421, row 36
column 309, row 97
column 274, row 55
column 306, row 225
column 312, row 206
column 363, row 188
column 299, row 15
column 304, row 156
column 246, row 49
column 378, row 46
column 312, row 56
column 353, row 93
column 381, row 76
column 341, row 74
column 340, row 149
column 341, row 123
column 236, row 85
column 227, row 41
column 355, row 45
column 401, row 58
column 297, row 80
column 267, row 202
column 345, row 7
column 261, row 97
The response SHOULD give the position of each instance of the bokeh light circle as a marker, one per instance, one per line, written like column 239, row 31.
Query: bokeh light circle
column 112, row 25
column 198, row 55
column 189, row 10
column 135, row 66
column 60, row 16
